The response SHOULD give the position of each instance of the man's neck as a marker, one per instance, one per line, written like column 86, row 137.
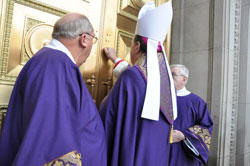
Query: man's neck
column 183, row 92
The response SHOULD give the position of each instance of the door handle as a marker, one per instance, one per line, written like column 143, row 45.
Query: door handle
column 91, row 82
column 108, row 83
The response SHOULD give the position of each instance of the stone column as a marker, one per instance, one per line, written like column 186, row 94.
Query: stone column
column 226, row 82
column 212, row 38
column 243, row 132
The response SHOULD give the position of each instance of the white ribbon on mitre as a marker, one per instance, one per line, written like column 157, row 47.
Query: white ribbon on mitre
column 153, row 23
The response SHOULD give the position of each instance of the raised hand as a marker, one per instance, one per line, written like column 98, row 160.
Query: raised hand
column 110, row 53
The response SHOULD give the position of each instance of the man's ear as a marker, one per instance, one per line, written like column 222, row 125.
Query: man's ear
column 83, row 41
column 185, row 79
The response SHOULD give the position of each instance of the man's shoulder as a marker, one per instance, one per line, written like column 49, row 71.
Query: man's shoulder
column 49, row 61
column 132, row 76
column 49, row 53
column 131, row 72
column 195, row 98
column 51, row 56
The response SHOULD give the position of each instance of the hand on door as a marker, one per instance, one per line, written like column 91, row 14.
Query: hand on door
column 110, row 53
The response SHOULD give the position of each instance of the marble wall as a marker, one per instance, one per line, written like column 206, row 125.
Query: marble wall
column 190, row 41
column 212, row 38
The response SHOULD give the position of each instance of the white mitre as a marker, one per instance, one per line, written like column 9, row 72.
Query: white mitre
column 153, row 23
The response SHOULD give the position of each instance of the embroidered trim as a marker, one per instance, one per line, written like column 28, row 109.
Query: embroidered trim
column 203, row 133
column 166, row 100
column 70, row 159
column 141, row 62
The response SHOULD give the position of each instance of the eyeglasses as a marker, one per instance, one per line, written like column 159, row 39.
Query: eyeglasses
column 175, row 75
column 93, row 37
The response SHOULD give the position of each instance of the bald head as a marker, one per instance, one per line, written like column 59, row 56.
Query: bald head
column 71, row 26
column 68, row 17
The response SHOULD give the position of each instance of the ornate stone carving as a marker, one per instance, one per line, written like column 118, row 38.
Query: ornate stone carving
column 5, row 47
column 235, row 85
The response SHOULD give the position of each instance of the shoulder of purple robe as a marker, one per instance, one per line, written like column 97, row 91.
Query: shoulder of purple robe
column 118, row 112
column 129, row 88
column 133, row 140
column 200, row 133
column 131, row 80
column 50, row 114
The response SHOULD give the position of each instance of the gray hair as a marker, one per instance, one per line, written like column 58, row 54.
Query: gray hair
column 72, row 28
column 183, row 69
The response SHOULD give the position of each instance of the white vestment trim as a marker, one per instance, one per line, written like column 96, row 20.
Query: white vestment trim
column 120, row 68
column 183, row 92
column 151, row 106
column 57, row 45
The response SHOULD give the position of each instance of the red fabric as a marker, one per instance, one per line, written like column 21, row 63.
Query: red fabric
column 117, row 63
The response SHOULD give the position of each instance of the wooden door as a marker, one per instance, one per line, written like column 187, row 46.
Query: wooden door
column 26, row 26
column 120, row 17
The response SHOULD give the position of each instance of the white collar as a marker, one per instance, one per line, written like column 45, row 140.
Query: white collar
column 183, row 92
column 57, row 45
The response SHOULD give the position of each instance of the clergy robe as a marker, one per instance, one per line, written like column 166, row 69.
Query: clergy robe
column 51, row 118
column 132, row 140
column 195, row 123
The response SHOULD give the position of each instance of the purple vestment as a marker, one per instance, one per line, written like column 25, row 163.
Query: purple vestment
column 51, row 114
column 196, row 124
column 132, row 140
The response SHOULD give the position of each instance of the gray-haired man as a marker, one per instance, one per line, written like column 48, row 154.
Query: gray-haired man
column 51, row 119
column 193, row 126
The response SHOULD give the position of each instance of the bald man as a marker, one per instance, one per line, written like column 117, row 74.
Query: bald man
column 51, row 118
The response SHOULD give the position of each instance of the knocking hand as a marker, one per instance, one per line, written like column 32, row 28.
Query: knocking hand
column 110, row 53
column 177, row 136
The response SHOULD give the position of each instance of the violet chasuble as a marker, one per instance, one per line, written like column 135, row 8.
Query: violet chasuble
column 132, row 140
column 51, row 116
column 196, row 124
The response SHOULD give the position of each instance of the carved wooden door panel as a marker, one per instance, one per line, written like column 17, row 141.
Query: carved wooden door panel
column 26, row 26
column 119, row 27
